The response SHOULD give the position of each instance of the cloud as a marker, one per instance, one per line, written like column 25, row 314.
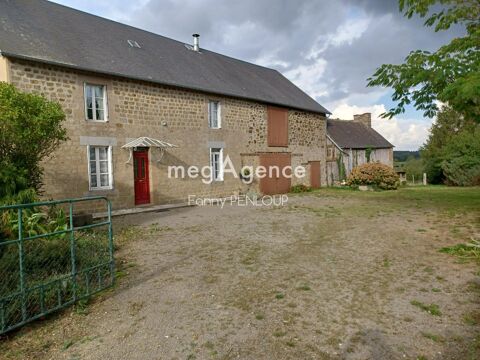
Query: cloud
column 405, row 134
column 308, row 77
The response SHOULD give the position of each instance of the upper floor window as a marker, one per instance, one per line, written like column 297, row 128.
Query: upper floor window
column 100, row 167
column 214, row 119
column 277, row 126
column 95, row 102
column 216, row 164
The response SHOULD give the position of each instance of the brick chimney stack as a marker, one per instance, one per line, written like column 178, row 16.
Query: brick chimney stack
column 365, row 119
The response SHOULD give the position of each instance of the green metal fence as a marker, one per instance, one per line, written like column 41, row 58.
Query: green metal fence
column 44, row 272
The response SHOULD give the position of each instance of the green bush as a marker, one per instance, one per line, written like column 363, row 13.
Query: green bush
column 31, row 128
column 375, row 174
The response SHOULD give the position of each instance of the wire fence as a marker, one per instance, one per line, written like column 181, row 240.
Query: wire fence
column 47, row 263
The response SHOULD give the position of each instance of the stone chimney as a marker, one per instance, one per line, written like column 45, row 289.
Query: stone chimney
column 365, row 119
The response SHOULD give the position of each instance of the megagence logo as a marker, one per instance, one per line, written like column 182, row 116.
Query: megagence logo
column 246, row 174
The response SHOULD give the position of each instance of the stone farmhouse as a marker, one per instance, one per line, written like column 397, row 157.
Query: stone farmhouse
column 353, row 143
column 137, row 103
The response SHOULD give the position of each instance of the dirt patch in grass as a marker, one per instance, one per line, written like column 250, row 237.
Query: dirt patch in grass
column 334, row 274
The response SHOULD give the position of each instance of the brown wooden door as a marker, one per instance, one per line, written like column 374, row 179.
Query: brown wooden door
column 315, row 174
column 141, row 177
column 277, row 183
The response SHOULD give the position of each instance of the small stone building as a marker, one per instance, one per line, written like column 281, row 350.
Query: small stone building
column 137, row 103
column 351, row 143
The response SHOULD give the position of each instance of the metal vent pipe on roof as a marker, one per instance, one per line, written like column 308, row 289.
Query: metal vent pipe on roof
column 196, row 42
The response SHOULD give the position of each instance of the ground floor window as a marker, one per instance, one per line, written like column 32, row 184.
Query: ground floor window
column 216, row 164
column 100, row 167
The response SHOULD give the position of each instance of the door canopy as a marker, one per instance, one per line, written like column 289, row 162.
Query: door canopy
column 148, row 142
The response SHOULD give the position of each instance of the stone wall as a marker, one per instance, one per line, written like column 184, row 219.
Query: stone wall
column 177, row 116
column 4, row 70
column 351, row 158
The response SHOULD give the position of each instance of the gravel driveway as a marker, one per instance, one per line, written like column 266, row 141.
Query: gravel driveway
column 327, row 276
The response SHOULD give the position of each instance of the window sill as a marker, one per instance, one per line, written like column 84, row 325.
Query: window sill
column 96, row 121
column 100, row 192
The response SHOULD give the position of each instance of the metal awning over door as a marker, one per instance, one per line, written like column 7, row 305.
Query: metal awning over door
column 148, row 142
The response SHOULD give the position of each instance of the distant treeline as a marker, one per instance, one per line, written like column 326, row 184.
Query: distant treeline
column 401, row 156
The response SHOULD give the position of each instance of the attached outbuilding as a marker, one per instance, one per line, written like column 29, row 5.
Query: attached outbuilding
column 351, row 143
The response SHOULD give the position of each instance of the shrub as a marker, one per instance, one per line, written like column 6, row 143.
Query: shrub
column 300, row 189
column 376, row 174
column 31, row 128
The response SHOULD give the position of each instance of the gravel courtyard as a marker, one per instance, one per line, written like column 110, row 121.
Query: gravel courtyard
column 333, row 274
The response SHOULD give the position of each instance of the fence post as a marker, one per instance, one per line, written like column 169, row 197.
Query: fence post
column 21, row 264
column 110, row 242
column 73, row 253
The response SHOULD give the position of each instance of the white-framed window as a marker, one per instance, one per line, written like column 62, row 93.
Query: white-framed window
column 216, row 163
column 95, row 102
column 100, row 167
column 214, row 116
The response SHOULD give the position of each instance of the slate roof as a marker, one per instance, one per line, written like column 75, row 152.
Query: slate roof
column 355, row 135
column 43, row 31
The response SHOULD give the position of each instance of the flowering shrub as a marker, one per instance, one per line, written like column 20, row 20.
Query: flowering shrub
column 376, row 174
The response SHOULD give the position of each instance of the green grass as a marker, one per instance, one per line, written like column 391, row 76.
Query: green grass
column 433, row 337
column 472, row 318
column 304, row 288
column 290, row 343
column 432, row 309
column 259, row 316
column 451, row 199
column 68, row 343
column 466, row 252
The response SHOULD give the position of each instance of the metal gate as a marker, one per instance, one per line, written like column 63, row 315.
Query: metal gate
column 41, row 272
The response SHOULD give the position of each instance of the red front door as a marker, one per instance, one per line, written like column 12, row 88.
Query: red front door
column 141, row 178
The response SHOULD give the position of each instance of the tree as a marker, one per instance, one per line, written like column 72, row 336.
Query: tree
column 414, row 166
column 31, row 128
column 461, row 158
column 448, row 124
column 450, row 75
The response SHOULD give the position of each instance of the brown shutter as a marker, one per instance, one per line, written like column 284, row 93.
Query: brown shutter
column 277, row 126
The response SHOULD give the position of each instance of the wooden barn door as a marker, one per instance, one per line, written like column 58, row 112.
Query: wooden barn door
column 277, row 183
column 315, row 174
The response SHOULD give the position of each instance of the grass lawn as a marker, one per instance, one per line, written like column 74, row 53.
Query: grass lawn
column 334, row 274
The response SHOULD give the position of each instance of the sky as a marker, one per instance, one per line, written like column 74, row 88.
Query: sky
column 326, row 47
